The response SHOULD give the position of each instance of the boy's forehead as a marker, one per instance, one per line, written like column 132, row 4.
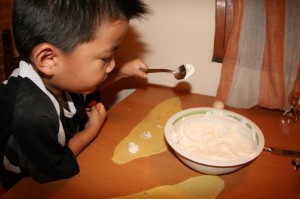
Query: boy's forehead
column 110, row 35
column 110, row 24
column 115, row 27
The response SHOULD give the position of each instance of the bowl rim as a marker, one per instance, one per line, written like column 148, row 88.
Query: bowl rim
column 205, row 161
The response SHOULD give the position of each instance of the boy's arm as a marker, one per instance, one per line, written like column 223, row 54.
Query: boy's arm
column 131, row 68
column 81, row 139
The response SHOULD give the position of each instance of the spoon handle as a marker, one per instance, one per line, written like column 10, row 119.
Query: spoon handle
column 154, row 70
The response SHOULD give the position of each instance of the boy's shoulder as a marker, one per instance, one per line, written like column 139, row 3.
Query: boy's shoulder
column 25, row 106
column 19, row 87
column 21, row 94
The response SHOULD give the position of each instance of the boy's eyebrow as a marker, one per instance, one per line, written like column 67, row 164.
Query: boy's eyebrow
column 112, row 49
column 115, row 48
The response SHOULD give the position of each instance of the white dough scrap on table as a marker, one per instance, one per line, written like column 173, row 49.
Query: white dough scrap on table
column 147, row 135
column 218, row 104
column 133, row 147
column 202, row 187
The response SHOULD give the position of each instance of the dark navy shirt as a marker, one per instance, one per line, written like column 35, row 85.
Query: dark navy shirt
column 34, row 130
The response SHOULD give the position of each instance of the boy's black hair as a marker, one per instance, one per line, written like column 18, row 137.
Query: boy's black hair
column 66, row 23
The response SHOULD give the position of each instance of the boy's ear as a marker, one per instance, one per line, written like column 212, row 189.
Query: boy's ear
column 44, row 57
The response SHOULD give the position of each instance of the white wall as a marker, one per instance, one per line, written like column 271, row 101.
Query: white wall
column 177, row 32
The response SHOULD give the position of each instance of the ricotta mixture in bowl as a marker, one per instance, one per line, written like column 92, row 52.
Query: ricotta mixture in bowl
column 214, row 136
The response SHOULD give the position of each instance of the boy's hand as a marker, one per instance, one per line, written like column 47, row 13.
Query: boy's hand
column 96, row 118
column 132, row 68
column 88, row 108
column 96, row 115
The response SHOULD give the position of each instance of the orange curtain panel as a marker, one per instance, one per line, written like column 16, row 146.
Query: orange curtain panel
column 261, row 63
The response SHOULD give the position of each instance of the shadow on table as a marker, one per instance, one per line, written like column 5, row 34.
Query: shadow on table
column 111, row 94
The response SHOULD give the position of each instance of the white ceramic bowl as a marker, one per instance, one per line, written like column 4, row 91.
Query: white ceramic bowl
column 209, row 165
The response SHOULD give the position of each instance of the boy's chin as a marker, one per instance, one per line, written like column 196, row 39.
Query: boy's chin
column 88, row 92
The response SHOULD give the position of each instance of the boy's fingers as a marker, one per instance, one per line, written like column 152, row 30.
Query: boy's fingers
column 91, row 103
column 99, row 107
column 94, row 104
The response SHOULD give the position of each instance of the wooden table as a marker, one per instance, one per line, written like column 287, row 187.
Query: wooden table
column 269, row 176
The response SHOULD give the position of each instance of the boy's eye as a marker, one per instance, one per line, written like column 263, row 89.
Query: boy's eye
column 107, row 59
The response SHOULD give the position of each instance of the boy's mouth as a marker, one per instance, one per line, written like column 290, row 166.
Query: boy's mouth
column 104, row 77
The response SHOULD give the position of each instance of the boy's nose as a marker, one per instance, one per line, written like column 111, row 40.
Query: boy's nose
column 111, row 66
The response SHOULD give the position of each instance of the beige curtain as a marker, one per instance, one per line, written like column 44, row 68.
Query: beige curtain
column 261, row 64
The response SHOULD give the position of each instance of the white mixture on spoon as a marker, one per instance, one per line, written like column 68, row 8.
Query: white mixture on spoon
column 190, row 69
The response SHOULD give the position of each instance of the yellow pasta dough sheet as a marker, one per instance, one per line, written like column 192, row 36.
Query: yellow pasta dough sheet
column 147, row 136
column 204, row 187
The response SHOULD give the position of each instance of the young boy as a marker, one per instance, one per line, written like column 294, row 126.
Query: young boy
column 66, row 48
